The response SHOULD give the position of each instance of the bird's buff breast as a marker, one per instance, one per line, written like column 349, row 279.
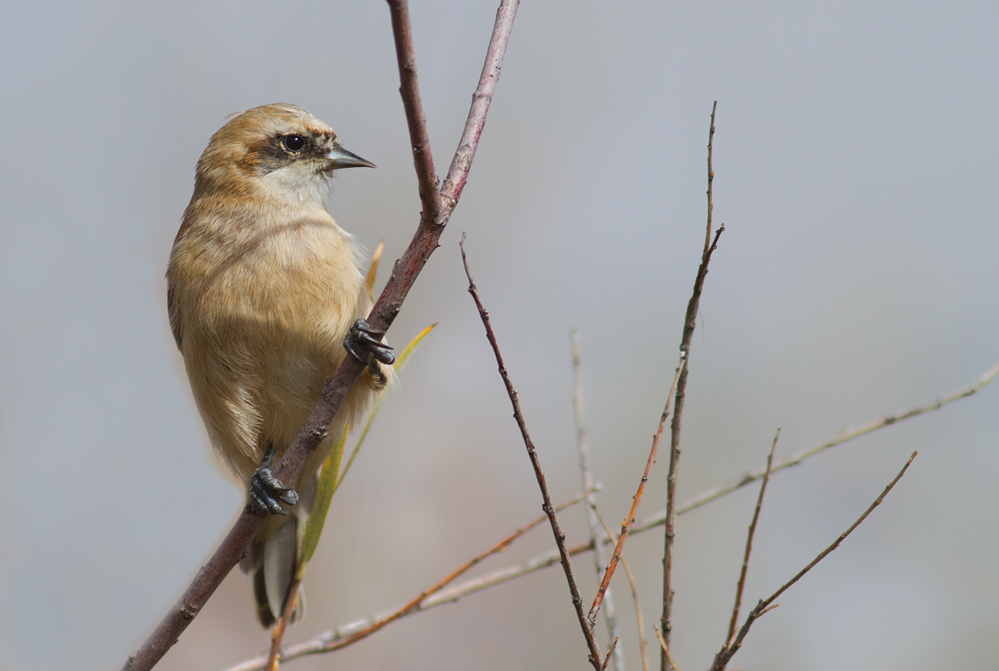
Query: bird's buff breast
column 272, row 309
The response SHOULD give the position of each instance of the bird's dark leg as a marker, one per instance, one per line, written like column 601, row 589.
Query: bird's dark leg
column 266, row 490
column 365, row 344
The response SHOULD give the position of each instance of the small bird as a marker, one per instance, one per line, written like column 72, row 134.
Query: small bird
column 265, row 300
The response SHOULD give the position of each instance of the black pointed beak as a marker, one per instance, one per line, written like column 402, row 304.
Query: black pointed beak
column 341, row 158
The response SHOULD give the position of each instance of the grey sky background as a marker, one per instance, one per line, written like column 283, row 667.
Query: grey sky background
column 856, row 170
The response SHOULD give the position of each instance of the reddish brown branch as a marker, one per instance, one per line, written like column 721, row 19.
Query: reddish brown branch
column 749, row 543
column 404, row 274
column 635, row 500
column 690, row 322
column 596, row 659
column 731, row 647
column 423, row 158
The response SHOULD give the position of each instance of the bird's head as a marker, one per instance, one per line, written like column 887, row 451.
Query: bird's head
column 276, row 151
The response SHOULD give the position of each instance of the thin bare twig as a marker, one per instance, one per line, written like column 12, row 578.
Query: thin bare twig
column 596, row 659
column 547, row 559
column 665, row 648
column 436, row 212
column 749, row 543
column 355, row 631
column 765, row 605
column 291, row 601
column 634, row 594
column 796, row 458
column 636, row 499
column 711, row 177
column 690, row 322
column 592, row 521
column 610, row 652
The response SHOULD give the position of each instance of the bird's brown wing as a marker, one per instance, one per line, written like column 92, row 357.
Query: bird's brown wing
column 174, row 315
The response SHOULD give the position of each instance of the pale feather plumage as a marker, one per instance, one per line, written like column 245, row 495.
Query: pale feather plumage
column 262, row 288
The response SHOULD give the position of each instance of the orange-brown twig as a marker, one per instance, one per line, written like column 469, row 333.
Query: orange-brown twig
column 626, row 525
column 642, row 643
column 274, row 657
column 334, row 640
column 609, row 653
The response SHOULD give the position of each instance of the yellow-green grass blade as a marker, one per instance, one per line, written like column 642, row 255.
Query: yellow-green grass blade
column 321, row 506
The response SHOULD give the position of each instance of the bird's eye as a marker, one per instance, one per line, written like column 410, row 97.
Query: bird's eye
column 293, row 142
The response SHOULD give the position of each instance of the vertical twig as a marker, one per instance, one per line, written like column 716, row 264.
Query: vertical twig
column 766, row 605
column 596, row 659
column 690, row 322
column 711, row 176
column 596, row 537
column 749, row 543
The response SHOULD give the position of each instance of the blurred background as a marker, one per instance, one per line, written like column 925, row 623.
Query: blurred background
column 856, row 171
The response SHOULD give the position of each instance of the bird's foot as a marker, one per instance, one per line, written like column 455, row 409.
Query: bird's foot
column 266, row 490
column 365, row 344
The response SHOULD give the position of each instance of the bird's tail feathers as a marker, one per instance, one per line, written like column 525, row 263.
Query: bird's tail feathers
column 274, row 561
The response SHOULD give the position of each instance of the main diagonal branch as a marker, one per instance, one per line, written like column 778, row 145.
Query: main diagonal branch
column 437, row 208
column 596, row 659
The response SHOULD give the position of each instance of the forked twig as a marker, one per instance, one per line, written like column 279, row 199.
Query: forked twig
column 765, row 605
column 634, row 593
column 596, row 659
column 749, row 543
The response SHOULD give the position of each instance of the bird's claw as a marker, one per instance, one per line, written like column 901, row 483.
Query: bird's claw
column 266, row 490
column 364, row 344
